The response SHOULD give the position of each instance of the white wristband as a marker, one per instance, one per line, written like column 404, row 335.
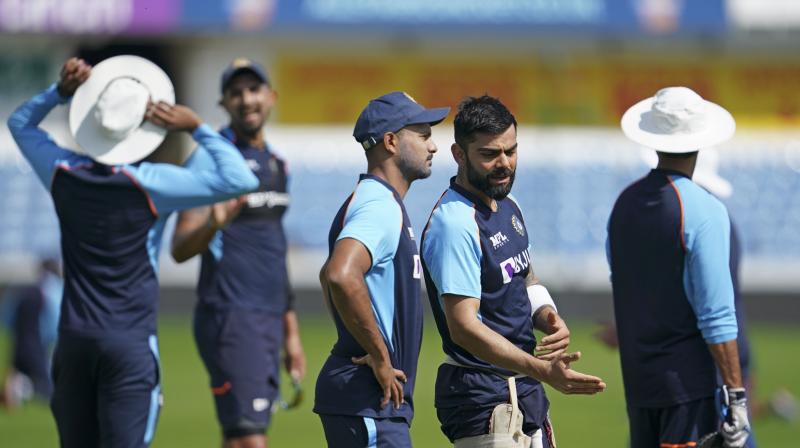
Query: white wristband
column 539, row 297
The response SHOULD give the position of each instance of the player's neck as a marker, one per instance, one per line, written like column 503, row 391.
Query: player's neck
column 682, row 165
column 252, row 140
column 461, row 181
column 392, row 176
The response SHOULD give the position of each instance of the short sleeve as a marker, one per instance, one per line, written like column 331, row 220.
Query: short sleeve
column 451, row 250
column 374, row 219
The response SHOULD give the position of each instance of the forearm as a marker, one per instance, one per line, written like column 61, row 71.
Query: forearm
column 726, row 357
column 486, row 344
column 234, row 174
column 291, row 329
column 351, row 299
column 186, row 245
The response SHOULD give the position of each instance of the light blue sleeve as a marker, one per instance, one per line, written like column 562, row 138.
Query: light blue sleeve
column 374, row 218
column 36, row 145
column 223, row 176
column 452, row 249
column 707, row 274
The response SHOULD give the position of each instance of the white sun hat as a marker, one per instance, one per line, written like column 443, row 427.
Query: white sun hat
column 677, row 120
column 107, row 111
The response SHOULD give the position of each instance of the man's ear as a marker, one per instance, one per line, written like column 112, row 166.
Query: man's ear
column 391, row 142
column 458, row 153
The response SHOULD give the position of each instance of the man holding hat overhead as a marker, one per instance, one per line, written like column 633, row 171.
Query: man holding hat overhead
column 669, row 251
column 112, row 214
column 244, row 313
column 371, row 282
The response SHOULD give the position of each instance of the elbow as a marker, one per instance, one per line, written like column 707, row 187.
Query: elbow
column 459, row 335
column 179, row 256
column 249, row 183
column 15, row 124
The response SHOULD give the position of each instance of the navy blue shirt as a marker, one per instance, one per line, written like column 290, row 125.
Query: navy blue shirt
column 112, row 218
column 375, row 216
column 245, row 264
column 470, row 250
column 669, row 252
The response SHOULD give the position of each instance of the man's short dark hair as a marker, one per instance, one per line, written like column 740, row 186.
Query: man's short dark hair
column 481, row 115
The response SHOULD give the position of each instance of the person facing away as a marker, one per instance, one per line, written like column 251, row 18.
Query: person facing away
column 371, row 282
column 669, row 253
column 105, row 367
column 486, row 299
column 244, row 314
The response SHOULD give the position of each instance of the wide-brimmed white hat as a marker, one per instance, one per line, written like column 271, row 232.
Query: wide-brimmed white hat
column 107, row 112
column 677, row 120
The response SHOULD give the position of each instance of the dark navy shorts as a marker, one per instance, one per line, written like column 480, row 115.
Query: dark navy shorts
column 343, row 431
column 466, row 398
column 107, row 391
column 241, row 351
column 680, row 425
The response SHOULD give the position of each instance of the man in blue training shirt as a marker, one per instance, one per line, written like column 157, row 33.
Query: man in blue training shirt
column 486, row 299
column 669, row 252
column 244, row 313
column 105, row 366
column 371, row 283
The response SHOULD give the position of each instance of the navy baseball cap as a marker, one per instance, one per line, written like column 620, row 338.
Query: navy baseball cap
column 240, row 65
column 390, row 113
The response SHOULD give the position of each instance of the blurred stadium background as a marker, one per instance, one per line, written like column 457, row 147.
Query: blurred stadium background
column 567, row 68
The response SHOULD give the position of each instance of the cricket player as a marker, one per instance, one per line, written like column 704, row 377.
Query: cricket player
column 244, row 313
column 371, row 281
column 105, row 367
column 669, row 244
column 486, row 300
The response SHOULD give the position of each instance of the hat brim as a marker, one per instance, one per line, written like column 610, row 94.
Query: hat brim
column 638, row 125
column 87, row 131
column 430, row 116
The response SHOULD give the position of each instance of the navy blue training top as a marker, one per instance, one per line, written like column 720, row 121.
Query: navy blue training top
column 669, row 252
column 112, row 217
column 469, row 250
column 245, row 264
column 375, row 216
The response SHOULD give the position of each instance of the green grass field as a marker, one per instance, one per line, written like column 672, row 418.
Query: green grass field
column 187, row 419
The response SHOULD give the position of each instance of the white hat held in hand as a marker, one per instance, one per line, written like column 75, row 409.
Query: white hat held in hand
column 677, row 120
column 106, row 115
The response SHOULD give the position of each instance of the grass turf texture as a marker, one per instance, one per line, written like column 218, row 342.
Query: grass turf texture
column 187, row 419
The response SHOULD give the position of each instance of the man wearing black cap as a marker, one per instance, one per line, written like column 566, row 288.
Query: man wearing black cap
column 371, row 282
column 244, row 312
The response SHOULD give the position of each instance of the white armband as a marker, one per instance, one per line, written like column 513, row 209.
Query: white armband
column 539, row 297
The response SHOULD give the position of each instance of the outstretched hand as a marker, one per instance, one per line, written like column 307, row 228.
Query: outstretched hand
column 74, row 72
column 172, row 117
column 565, row 380
column 390, row 379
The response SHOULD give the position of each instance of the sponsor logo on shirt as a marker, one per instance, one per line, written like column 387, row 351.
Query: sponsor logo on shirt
column 417, row 266
column 498, row 239
column 517, row 225
column 268, row 198
column 514, row 265
column 260, row 404
column 254, row 165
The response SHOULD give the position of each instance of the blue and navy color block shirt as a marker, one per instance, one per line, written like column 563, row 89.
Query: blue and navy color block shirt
column 245, row 264
column 669, row 252
column 470, row 250
column 375, row 216
column 112, row 217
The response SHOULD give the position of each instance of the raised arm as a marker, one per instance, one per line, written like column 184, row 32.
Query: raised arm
column 35, row 144
column 225, row 176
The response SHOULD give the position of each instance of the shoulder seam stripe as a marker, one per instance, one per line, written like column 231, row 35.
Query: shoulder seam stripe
column 680, row 202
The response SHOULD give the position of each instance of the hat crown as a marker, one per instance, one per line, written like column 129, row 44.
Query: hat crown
column 679, row 110
column 121, row 107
